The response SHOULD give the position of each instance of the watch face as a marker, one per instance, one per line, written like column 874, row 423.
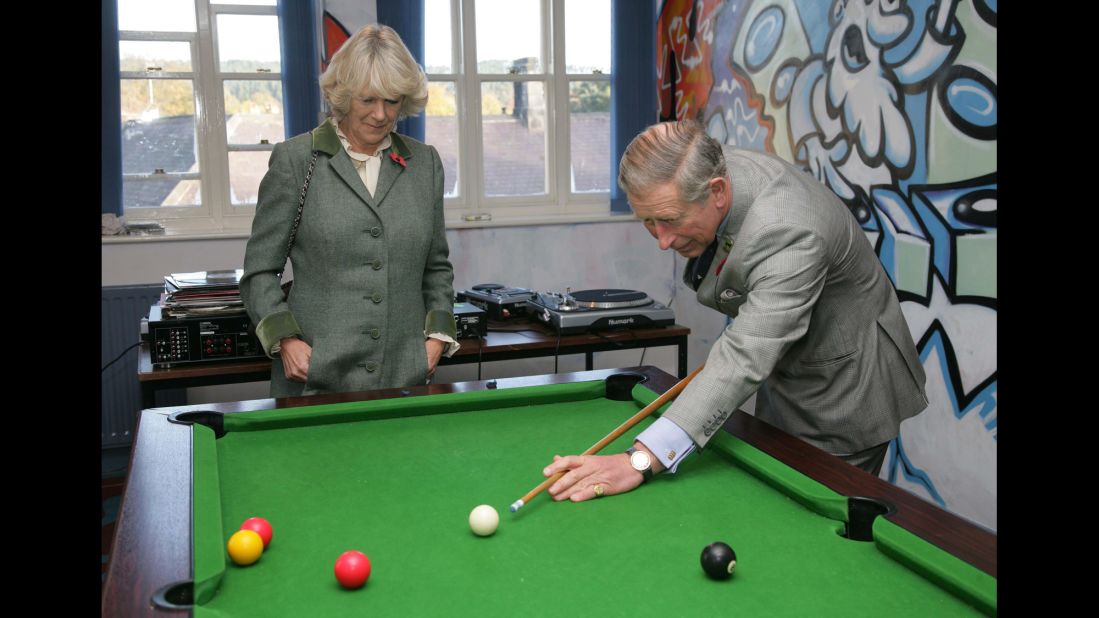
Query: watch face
column 640, row 461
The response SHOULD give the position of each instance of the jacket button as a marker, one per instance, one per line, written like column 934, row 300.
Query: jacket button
column 728, row 294
column 375, row 231
column 372, row 366
column 375, row 333
column 377, row 264
column 377, row 297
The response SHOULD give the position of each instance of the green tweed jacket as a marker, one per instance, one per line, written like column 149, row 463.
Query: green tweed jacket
column 371, row 273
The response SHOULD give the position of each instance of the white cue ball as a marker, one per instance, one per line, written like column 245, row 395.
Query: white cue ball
column 483, row 520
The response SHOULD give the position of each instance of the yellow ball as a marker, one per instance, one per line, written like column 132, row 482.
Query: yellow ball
column 245, row 547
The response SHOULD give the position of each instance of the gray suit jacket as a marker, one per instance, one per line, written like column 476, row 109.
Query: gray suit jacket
column 818, row 330
column 371, row 273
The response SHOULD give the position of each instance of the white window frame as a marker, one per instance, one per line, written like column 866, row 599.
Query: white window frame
column 472, row 208
column 216, row 215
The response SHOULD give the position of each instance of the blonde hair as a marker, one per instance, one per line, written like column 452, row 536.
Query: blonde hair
column 672, row 151
column 376, row 60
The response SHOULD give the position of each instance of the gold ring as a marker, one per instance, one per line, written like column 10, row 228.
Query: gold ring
column 598, row 489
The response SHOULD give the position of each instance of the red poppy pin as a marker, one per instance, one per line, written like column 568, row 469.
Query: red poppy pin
column 728, row 247
column 398, row 159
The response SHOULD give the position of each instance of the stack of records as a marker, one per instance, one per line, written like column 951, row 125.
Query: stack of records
column 203, row 293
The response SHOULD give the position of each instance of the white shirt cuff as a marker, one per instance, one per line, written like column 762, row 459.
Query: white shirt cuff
column 452, row 346
column 668, row 442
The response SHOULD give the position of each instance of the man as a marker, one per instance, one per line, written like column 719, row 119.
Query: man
column 818, row 332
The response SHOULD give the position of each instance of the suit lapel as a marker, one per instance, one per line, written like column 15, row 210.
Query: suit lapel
column 708, row 289
column 392, row 168
column 714, row 291
column 388, row 174
column 327, row 141
column 341, row 164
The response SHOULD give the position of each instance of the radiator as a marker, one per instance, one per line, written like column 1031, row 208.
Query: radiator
column 121, row 312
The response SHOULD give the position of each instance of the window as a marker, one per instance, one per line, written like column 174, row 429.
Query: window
column 202, row 107
column 519, row 107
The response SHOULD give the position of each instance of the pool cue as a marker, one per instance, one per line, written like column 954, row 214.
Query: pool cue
column 612, row 436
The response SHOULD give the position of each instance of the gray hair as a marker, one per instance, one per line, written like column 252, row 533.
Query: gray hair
column 377, row 60
column 672, row 151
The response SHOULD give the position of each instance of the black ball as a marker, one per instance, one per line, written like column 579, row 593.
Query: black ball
column 718, row 560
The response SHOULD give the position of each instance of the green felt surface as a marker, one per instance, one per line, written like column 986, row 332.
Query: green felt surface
column 400, row 488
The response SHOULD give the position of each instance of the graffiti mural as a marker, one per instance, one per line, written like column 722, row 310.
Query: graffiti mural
column 891, row 104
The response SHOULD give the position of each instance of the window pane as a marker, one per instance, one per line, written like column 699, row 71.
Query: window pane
column 253, row 111
column 587, row 36
column 160, row 15
column 155, row 193
column 437, row 41
column 441, row 120
column 170, row 101
column 248, row 42
column 252, row 2
column 246, row 169
column 158, row 134
column 509, row 36
column 154, row 56
column 513, row 120
column 590, row 136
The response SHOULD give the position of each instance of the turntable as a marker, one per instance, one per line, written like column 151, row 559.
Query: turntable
column 600, row 309
column 499, row 301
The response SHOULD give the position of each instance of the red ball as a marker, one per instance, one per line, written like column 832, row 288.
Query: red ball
column 261, row 527
column 352, row 569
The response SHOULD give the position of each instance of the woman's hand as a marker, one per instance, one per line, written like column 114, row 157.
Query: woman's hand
column 296, row 355
column 435, row 349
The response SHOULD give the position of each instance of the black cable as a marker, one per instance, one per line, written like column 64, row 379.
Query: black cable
column 116, row 359
column 556, row 350
column 480, row 349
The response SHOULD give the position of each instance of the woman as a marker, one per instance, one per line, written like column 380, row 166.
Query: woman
column 372, row 300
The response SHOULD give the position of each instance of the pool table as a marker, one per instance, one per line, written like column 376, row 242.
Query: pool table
column 395, row 473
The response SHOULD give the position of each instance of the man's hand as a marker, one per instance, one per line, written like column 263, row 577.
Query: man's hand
column 584, row 472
